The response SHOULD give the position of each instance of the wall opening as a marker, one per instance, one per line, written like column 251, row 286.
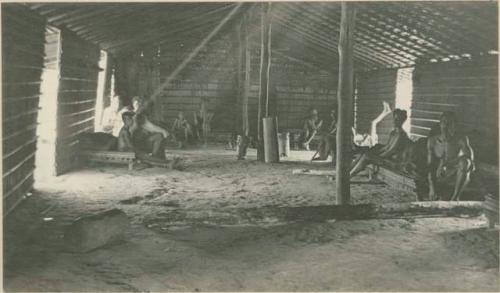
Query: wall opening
column 47, row 115
column 404, row 93
column 101, row 89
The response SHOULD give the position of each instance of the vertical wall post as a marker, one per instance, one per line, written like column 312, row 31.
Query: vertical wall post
column 345, row 103
column 246, row 78
column 265, row 65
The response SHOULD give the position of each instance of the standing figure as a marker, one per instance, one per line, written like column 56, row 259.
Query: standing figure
column 311, row 127
column 202, row 119
column 450, row 159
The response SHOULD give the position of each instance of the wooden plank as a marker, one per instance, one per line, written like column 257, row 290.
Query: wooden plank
column 280, row 215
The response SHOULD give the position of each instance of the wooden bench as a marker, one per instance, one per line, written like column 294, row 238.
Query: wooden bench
column 483, row 181
column 396, row 179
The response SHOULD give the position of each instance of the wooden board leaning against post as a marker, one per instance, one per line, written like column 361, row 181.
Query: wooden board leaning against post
column 271, row 151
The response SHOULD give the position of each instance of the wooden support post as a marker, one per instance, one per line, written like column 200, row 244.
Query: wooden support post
column 238, row 47
column 345, row 103
column 246, row 80
column 265, row 65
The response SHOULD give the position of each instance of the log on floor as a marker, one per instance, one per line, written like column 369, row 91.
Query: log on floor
column 283, row 215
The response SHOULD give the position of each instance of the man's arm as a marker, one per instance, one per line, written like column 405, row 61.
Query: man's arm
column 318, row 126
column 149, row 126
column 432, row 173
column 467, row 150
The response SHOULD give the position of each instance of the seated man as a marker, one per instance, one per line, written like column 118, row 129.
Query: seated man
column 328, row 143
column 147, row 137
column 392, row 152
column 181, row 130
column 450, row 158
column 147, row 145
column 311, row 127
column 125, row 136
column 147, row 125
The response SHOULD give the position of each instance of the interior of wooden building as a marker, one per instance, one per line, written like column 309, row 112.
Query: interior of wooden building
column 238, row 203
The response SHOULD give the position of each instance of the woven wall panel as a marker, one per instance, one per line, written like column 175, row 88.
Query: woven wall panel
column 23, row 54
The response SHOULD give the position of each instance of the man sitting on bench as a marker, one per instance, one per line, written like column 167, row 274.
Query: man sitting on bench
column 391, row 153
column 311, row 127
column 328, row 143
column 147, row 137
column 450, row 158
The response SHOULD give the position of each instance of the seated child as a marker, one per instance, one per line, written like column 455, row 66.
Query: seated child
column 125, row 136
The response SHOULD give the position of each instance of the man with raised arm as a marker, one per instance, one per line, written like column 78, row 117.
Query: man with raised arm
column 392, row 152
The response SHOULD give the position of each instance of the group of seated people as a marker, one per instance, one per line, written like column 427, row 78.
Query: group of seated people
column 115, row 119
column 445, row 157
column 128, row 129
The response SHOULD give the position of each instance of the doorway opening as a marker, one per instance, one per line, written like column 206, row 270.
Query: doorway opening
column 45, row 161
column 101, row 89
column 404, row 93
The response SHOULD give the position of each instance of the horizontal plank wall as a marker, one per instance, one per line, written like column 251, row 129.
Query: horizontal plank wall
column 298, row 89
column 470, row 90
column 294, row 87
column 374, row 87
column 23, row 35
column 76, row 96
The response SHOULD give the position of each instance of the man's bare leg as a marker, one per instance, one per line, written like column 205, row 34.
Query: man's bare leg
column 463, row 177
column 308, row 141
column 360, row 165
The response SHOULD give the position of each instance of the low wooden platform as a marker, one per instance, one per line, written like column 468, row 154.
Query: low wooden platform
column 108, row 157
column 126, row 158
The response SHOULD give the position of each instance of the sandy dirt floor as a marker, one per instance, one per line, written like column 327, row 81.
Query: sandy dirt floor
column 440, row 254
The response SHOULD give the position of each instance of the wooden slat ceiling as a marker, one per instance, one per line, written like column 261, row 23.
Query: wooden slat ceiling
column 388, row 34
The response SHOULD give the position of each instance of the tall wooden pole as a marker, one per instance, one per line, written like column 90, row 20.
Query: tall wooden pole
column 246, row 78
column 238, row 51
column 345, row 103
column 265, row 63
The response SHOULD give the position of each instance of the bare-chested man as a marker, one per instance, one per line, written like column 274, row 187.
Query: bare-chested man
column 327, row 145
column 450, row 158
column 392, row 151
column 311, row 127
